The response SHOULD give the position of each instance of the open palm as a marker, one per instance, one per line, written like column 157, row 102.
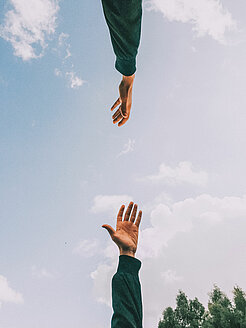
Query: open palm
column 126, row 233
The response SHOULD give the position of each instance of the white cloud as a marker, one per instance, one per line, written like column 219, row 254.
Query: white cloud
column 186, row 246
column 28, row 25
column 57, row 72
column 207, row 16
column 87, row 248
column 168, row 221
column 74, row 81
column 7, row 294
column 127, row 148
column 170, row 276
column 102, row 280
column 109, row 203
column 64, row 45
column 66, row 69
column 183, row 173
column 40, row 272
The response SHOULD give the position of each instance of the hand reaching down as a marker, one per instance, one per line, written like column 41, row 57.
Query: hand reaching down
column 124, row 101
column 126, row 234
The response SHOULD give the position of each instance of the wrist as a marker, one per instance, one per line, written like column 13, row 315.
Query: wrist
column 127, row 252
column 128, row 79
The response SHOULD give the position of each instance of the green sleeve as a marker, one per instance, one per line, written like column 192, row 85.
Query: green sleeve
column 124, row 21
column 126, row 294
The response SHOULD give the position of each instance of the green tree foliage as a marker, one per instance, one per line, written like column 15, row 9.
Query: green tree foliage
column 188, row 313
column 221, row 312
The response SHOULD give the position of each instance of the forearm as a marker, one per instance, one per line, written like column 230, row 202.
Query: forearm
column 124, row 21
column 126, row 294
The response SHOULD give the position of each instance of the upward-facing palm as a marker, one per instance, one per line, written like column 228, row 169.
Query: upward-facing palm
column 126, row 234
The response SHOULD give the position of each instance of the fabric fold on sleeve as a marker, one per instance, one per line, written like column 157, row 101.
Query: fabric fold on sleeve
column 126, row 294
column 124, row 18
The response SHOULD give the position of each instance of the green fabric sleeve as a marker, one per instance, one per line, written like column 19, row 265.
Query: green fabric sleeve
column 124, row 21
column 126, row 294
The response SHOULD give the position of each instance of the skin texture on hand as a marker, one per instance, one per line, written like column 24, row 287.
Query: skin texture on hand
column 124, row 101
column 126, row 234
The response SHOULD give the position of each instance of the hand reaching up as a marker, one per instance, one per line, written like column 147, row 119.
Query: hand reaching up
column 126, row 234
column 124, row 101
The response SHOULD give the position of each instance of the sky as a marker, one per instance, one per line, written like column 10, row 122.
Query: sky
column 65, row 169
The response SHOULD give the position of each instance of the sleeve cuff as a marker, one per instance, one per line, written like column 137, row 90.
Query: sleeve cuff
column 128, row 264
column 126, row 67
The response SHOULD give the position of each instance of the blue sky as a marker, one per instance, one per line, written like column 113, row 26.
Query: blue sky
column 65, row 168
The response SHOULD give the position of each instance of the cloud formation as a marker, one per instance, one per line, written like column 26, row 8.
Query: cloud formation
column 28, row 25
column 183, row 173
column 7, row 294
column 208, row 17
column 109, row 203
column 127, row 148
column 170, row 276
column 40, row 272
column 169, row 220
column 87, row 248
column 101, row 280
column 64, row 45
column 66, row 69
column 74, row 81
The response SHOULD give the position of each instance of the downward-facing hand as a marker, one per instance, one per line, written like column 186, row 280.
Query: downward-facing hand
column 124, row 101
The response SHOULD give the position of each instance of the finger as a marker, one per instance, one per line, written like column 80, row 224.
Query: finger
column 111, row 231
column 123, row 121
column 120, row 214
column 117, row 119
column 116, row 104
column 138, row 219
column 128, row 211
column 117, row 113
column 134, row 212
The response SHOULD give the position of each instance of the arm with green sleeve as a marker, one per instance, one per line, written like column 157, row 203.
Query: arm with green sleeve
column 126, row 288
column 123, row 18
column 126, row 294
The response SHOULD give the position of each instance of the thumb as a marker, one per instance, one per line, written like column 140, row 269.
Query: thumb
column 111, row 231
column 122, row 110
